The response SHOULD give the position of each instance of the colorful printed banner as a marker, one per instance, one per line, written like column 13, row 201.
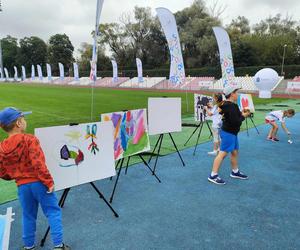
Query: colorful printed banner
column 226, row 59
column 1, row 74
column 61, row 71
column 40, row 73
column 6, row 74
column 32, row 72
column 93, row 74
column 76, row 72
column 139, row 66
column 49, row 74
column 130, row 132
column 16, row 73
column 168, row 23
column 23, row 73
column 115, row 70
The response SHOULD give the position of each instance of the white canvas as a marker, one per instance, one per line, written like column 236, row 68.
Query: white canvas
column 164, row 115
column 64, row 145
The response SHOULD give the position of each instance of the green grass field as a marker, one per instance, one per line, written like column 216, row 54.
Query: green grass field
column 61, row 105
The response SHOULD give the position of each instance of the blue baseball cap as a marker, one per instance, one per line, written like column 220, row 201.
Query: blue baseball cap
column 10, row 114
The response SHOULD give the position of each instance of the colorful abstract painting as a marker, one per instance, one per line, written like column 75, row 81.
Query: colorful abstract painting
column 78, row 154
column 91, row 133
column 130, row 132
column 245, row 101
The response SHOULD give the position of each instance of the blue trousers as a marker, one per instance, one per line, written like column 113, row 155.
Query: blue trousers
column 30, row 196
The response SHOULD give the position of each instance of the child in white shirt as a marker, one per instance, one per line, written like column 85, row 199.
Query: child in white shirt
column 273, row 117
column 216, row 122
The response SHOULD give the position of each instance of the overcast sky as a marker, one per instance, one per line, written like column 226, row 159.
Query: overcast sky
column 76, row 18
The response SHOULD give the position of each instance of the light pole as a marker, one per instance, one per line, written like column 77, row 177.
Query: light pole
column 284, row 46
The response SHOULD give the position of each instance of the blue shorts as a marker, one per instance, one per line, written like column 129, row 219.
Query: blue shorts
column 229, row 142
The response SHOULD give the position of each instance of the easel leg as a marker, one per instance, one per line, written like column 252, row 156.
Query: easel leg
column 159, row 138
column 159, row 147
column 102, row 197
column 115, row 168
column 177, row 149
column 198, row 138
column 61, row 204
column 147, row 165
column 254, row 125
column 116, row 182
column 127, row 165
column 192, row 134
column 211, row 134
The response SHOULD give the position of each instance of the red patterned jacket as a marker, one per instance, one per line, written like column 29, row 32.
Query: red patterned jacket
column 22, row 159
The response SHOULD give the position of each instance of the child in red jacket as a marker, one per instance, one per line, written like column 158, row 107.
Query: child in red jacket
column 22, row 160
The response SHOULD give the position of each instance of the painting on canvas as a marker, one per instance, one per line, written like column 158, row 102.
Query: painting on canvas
column 245, row 101
column 130, row 132
column 200, row 102
column 78, row 154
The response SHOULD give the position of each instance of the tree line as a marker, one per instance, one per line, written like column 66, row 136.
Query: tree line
column 33, row 50
column 139, row 34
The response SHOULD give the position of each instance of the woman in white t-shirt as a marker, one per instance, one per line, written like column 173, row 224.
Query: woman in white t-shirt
column 278, row 115
column 216, row 122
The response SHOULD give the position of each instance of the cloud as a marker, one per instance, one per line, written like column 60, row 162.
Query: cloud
column 273, row 3
column 46, row 18
column 76, row 18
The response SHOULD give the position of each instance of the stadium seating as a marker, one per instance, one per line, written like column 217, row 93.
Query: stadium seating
column 197, row 83
column 246, row 82
column 296, row 79
column 108, row 82
column 149, row 82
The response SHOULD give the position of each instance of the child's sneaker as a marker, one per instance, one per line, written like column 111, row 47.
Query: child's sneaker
column 216, row 179
column 272, row 139
column 63, row 247
column 215, row 152
column 238, row 175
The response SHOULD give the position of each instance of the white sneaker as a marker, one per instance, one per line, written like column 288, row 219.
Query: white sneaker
column 215, row 152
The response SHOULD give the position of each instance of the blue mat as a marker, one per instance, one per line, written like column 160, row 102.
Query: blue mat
column 185, row 211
